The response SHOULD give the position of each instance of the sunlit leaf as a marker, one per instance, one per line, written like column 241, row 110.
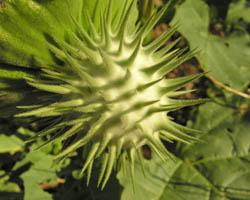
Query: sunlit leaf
column 226, row 58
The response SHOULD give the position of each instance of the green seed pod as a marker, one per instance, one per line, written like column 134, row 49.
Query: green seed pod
column 107, row 89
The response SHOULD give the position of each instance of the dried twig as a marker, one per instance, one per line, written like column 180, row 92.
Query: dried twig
column 51, row 185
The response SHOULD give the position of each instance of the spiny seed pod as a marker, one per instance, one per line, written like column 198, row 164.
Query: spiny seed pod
column 107, row 89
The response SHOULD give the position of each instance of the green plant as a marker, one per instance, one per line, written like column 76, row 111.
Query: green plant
column 91, row 84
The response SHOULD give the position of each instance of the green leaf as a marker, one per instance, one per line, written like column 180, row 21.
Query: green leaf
column 215, row 169
column 151, row 185
column 17, row 41
column 9, row 187
column 10, row 144
column 218, row 168
column 238, row 9
column 42, row 171
column 220, row 56
column 5, row 185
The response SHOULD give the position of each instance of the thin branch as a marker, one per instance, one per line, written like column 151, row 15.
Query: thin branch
column 223, row 85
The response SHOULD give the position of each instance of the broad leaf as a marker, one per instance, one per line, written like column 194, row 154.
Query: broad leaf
column 26, row 25
column 228, row 58
column 216, row 169
column 10, row 144
column 150, row 186
column 42, row 171
column 239, row 10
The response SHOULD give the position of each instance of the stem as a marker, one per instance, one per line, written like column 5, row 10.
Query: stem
column 223, row 85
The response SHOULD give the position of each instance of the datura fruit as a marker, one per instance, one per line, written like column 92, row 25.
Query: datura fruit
column 93, row 84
